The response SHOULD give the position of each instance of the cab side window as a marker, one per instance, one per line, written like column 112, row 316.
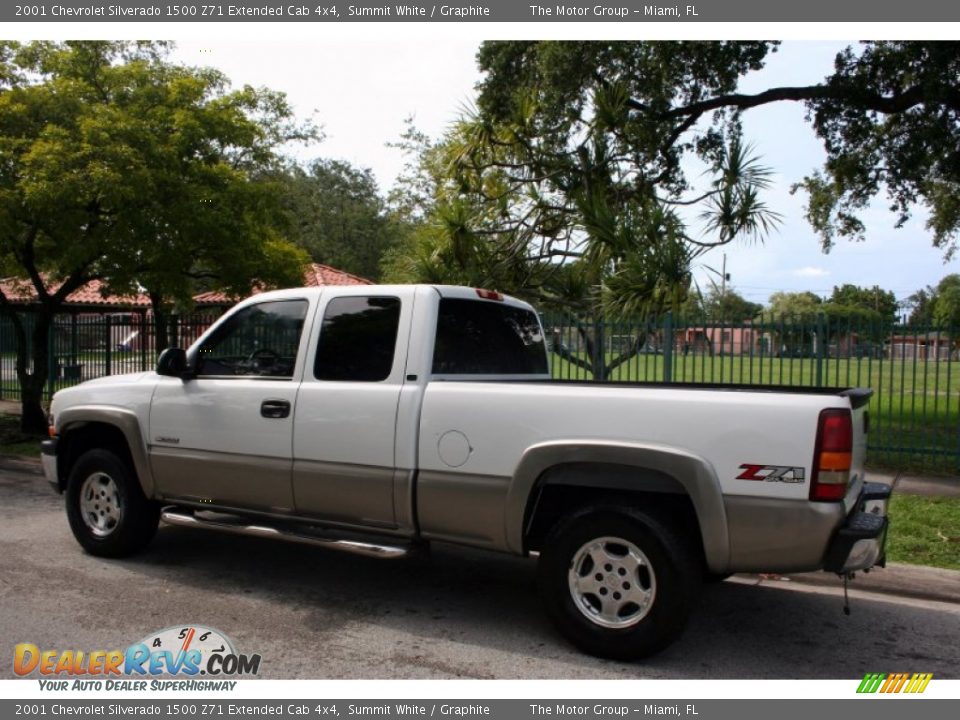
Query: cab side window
column 357, row 339
column 261, row 340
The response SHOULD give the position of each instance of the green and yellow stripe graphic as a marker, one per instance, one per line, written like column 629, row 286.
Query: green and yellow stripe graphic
column 894, row 683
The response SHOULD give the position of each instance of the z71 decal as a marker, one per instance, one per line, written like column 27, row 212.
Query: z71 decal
column 771, row 473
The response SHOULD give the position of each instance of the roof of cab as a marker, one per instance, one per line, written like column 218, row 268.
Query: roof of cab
column 446, row 291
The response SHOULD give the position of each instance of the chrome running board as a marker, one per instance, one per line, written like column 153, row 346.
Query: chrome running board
column 375, row 550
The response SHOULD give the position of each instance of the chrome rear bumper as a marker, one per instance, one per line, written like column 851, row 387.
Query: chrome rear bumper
column 859, row 544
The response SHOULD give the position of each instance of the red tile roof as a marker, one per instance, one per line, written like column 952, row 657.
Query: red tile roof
column 314, row 275
column 21, row 292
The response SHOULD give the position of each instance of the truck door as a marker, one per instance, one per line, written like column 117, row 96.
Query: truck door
column 343, row 438
column 225, row 437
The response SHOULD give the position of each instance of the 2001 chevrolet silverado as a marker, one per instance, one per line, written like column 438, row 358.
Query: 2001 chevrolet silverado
column 375, row 418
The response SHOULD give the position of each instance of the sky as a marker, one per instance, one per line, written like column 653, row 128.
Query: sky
column 361, row 90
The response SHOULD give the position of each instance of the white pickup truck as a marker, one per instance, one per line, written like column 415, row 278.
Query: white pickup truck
column 373, row 419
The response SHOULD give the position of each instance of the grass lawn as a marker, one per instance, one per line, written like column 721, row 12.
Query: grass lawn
column 14, row 442
column 924, row 531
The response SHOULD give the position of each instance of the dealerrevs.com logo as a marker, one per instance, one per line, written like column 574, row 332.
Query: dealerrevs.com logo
column 179, row 651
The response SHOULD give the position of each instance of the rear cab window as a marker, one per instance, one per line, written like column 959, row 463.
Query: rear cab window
column 358, row 339
column 488, row 338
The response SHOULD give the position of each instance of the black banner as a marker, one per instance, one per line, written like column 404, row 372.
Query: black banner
column 328, row 11
column 368, row 709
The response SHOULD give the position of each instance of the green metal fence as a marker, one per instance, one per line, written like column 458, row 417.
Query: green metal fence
column 914, row 371
column 85, row 346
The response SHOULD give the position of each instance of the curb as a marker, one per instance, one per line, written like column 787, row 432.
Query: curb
column 898, row 579
column 21, row 464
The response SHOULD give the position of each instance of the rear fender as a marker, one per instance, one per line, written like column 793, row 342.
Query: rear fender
column 654, row 464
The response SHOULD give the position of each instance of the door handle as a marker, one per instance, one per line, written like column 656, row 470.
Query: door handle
column 275, row 409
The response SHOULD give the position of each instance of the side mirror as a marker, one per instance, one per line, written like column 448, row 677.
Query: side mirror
column 173, row 363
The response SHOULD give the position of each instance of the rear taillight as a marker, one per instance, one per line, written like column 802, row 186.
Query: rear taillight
column 832, row 455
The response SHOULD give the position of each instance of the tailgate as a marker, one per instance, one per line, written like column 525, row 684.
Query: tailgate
column 859, row 403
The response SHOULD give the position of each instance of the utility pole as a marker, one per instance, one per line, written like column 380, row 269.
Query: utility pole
column 723, row 280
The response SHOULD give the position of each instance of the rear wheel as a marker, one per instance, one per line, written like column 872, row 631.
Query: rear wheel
column 108, row 512
column 617, row 583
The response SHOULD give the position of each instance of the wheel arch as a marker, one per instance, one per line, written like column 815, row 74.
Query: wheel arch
column 85, row 427
column 619, row 471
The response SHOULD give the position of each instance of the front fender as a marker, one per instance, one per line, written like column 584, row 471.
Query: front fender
column 126, row 421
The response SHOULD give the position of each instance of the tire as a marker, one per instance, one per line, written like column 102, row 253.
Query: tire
column 633, row 605
column 108, row 512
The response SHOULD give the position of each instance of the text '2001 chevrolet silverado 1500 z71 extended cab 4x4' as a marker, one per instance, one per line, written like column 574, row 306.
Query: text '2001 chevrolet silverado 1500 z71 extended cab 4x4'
column 375, row 418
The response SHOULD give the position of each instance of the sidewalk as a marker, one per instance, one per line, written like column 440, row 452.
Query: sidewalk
column 10, row 407
column 945, row 486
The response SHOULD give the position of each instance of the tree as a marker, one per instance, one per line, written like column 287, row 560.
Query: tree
column 879, row 305
column 795, row 315
column 946, row 305
column 794, row 304
column 920, row 305
column 338, row 216
column 887, row 116
column 729, row 306
column 864, row 313
column 936, row 305
column 122, row 167
column 531, row 185
column 555, row 156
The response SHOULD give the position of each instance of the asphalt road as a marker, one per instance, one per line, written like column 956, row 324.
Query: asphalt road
column 457, row 613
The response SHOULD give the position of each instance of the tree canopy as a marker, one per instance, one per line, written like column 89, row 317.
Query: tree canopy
column 626, row 160
column 560, row 167
column 794, row 304
column 727, row 305
column 873, row 303
column 887, row 116
column 120, row 166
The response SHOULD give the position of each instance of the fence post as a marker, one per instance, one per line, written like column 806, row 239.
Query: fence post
column 51, row 361
column 74, row 340
column 144, row 339
column 821, row 347
column 668, row 347
column 108, row 370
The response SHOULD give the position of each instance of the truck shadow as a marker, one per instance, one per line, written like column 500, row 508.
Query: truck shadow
column 425, row 608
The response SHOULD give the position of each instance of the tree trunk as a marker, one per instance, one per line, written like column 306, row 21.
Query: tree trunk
column 33, row 418
column 599, row 355
column 161, row 323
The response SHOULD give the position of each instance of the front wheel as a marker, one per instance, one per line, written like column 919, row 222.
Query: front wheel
column 617, row 583
column 108, row 512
